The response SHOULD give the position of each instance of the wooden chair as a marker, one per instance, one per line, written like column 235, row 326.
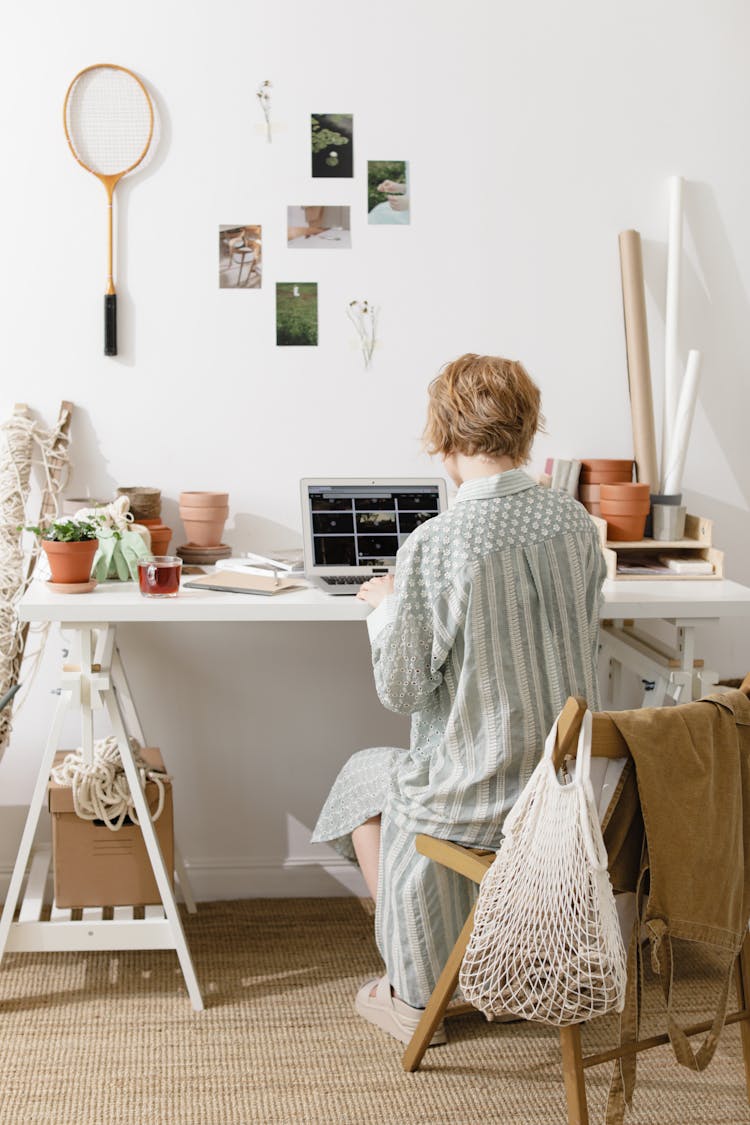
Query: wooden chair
column 607, row 742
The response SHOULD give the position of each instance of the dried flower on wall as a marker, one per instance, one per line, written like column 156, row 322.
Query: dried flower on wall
column 263, row 94
column 364, row 317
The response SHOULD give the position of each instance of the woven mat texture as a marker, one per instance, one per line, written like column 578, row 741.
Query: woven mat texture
column 111, row 1037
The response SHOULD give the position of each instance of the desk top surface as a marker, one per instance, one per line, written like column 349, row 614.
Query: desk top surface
column 121, row 602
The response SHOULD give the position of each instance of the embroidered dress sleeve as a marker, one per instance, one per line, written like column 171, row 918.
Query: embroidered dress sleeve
column 596, row 572
column 411, row 635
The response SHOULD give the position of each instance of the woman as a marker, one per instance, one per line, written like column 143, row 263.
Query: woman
column 491, row 623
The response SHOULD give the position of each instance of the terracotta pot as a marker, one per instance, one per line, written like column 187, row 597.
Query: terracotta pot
column 625, row 492
column 625, row 527
column 161, row 536
column 204, row 499
column 205, row 528
column 618, row 476
column 607, row 466
column 593, row 508
column 204, row 513
column 624, row 511
column 150, row 523
column 70, row 562
column 204, row 534
column 589, row 492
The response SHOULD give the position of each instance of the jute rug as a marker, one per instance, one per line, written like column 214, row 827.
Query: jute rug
column 111, row 1038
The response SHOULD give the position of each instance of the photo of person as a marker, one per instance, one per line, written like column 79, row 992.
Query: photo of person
column 296, row 313
column 388, row 192
column 318, row 228
column 332, row 144
column 240, row 257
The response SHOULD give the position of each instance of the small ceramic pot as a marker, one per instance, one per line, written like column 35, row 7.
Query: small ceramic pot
column 668, row 522
column 625, row 507
column 145, row 503
column 625, row 491
column 204, row 499
column 674, row 498
column 70, row 562
column 622, row 528
column 73, row 504
column 161, row 536
column 204, row 526
column 607, row 466
column 204, row 513
column 617, row 476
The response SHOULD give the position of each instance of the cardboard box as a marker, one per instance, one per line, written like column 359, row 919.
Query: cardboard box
column 97, row 867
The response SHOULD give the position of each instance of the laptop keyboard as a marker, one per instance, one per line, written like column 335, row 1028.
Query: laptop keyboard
column 345, row 580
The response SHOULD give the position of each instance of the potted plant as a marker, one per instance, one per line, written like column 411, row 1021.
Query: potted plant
column 70, row 546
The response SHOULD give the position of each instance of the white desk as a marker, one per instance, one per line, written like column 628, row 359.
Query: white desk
column 96, row 680
column 668, row 670
column 118, row 602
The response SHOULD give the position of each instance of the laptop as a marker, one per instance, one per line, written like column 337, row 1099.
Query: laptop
column 352, row 527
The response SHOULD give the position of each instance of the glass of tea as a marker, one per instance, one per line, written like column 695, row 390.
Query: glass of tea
column 159, row 576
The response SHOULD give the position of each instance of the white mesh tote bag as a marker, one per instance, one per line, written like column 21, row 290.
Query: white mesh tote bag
column 547, row 944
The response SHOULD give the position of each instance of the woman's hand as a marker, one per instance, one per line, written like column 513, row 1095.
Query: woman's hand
column 390, row 187
column 376, row 589
column 399, row 202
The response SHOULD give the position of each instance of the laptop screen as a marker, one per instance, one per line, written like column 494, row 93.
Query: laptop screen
column 365, row 524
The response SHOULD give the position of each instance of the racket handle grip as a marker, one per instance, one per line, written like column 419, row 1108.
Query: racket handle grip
column 110, row 324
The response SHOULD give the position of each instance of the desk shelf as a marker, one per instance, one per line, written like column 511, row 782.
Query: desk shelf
column 697, row 544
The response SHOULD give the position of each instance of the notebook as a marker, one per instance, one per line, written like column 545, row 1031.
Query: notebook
column 353, row 527
column 233, row 583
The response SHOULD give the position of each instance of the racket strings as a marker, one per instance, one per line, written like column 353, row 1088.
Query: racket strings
column 109, row 120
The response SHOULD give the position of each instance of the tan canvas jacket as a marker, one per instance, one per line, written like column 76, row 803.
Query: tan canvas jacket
column 678, row 834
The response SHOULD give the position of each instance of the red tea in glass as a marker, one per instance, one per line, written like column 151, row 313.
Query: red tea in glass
column 159, row 576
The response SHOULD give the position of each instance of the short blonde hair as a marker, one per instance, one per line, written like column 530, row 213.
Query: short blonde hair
column 483, row 404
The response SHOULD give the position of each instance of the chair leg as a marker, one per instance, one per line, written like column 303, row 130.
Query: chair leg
column 439, row 1000
column 742, row 978
column 575, row 1088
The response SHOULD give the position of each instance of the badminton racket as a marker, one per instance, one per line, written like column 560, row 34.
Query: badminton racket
column 109, row 124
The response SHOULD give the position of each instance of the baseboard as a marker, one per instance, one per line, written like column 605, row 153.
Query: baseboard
column 219, row 878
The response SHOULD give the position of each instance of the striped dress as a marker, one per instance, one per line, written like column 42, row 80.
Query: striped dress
column 492, row 624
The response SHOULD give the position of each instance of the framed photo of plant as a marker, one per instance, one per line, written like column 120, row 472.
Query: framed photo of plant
column 332, row 145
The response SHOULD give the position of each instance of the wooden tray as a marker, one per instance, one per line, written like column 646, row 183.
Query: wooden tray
column 696, row 543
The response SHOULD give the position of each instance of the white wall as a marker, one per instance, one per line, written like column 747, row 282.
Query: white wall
column 535, row 133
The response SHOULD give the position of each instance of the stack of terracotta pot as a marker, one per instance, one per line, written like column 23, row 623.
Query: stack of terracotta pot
column 596, row 473
column 625, row 508
column 145, row 506
column 204, row 515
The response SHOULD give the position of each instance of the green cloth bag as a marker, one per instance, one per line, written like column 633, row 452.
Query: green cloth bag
column 118, row 554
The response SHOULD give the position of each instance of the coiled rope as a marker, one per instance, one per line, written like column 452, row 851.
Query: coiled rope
column 26, row 444
column 100, row 788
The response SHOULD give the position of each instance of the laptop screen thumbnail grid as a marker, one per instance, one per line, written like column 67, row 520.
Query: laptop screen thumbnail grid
column 365, row 525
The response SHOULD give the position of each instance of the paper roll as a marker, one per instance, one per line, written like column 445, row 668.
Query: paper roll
column 683, row 424
column 672, row 372
column 639, row 373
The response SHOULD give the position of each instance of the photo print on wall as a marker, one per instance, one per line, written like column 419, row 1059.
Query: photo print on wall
column 240, row 257
column 332, row 145
column 388, row 192
column 296, row 313
column 318, row 228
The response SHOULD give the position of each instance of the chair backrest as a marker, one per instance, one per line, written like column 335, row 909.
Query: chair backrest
column 606, row 740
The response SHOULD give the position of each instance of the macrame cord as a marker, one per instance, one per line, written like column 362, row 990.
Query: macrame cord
column 100, row 788
column 27, row 444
